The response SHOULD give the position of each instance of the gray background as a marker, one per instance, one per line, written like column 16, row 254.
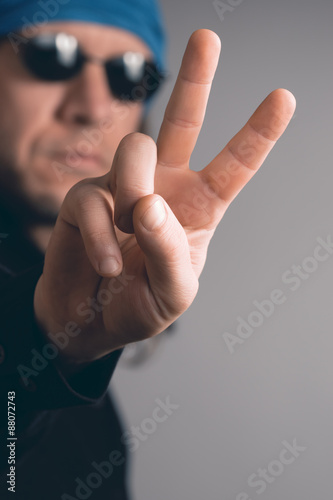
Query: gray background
column 235, row 410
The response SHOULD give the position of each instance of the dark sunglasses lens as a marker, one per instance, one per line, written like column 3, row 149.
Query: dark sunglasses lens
column 131, row 78
column 51, row 63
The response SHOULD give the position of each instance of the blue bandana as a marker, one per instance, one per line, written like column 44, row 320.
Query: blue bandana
column 141, row 17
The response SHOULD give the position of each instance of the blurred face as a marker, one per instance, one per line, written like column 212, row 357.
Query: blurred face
column 53, row 134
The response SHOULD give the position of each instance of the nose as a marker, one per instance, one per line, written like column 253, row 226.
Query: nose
column 87, row 98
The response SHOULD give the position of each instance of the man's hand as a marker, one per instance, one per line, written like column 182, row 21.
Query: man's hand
column 150, row 218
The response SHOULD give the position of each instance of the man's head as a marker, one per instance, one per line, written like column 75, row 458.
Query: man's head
column 54, row 133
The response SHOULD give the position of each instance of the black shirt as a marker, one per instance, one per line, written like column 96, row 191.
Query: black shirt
column 68, row 432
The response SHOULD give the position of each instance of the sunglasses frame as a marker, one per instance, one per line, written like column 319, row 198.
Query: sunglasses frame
column 39, row 53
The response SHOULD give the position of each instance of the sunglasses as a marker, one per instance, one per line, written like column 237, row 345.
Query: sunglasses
column 55, row 57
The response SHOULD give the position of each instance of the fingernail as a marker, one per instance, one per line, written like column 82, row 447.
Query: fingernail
column 154, row 217
column 109, row 265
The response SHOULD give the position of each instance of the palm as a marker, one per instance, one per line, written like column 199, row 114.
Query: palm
column 180, row 189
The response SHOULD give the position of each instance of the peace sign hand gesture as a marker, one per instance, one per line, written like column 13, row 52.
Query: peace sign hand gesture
column 150, row 218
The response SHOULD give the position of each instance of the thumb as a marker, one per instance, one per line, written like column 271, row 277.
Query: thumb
column 167, row 255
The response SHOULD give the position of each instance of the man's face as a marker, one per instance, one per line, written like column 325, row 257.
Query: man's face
column 53, row 134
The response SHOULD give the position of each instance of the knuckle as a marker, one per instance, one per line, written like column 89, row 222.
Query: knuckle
column 132, row 192
column 79, row 190
column 102, row 236
column 183, row 122
column 85, row 192
column 83, row 197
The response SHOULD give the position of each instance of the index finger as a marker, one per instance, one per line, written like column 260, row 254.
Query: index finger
column 185, row 111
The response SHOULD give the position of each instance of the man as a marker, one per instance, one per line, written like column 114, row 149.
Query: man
column 124, row 245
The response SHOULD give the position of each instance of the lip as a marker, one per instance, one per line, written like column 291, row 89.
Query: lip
column 75, row 160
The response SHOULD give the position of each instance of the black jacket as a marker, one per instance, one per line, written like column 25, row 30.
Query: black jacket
column 68, row 435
